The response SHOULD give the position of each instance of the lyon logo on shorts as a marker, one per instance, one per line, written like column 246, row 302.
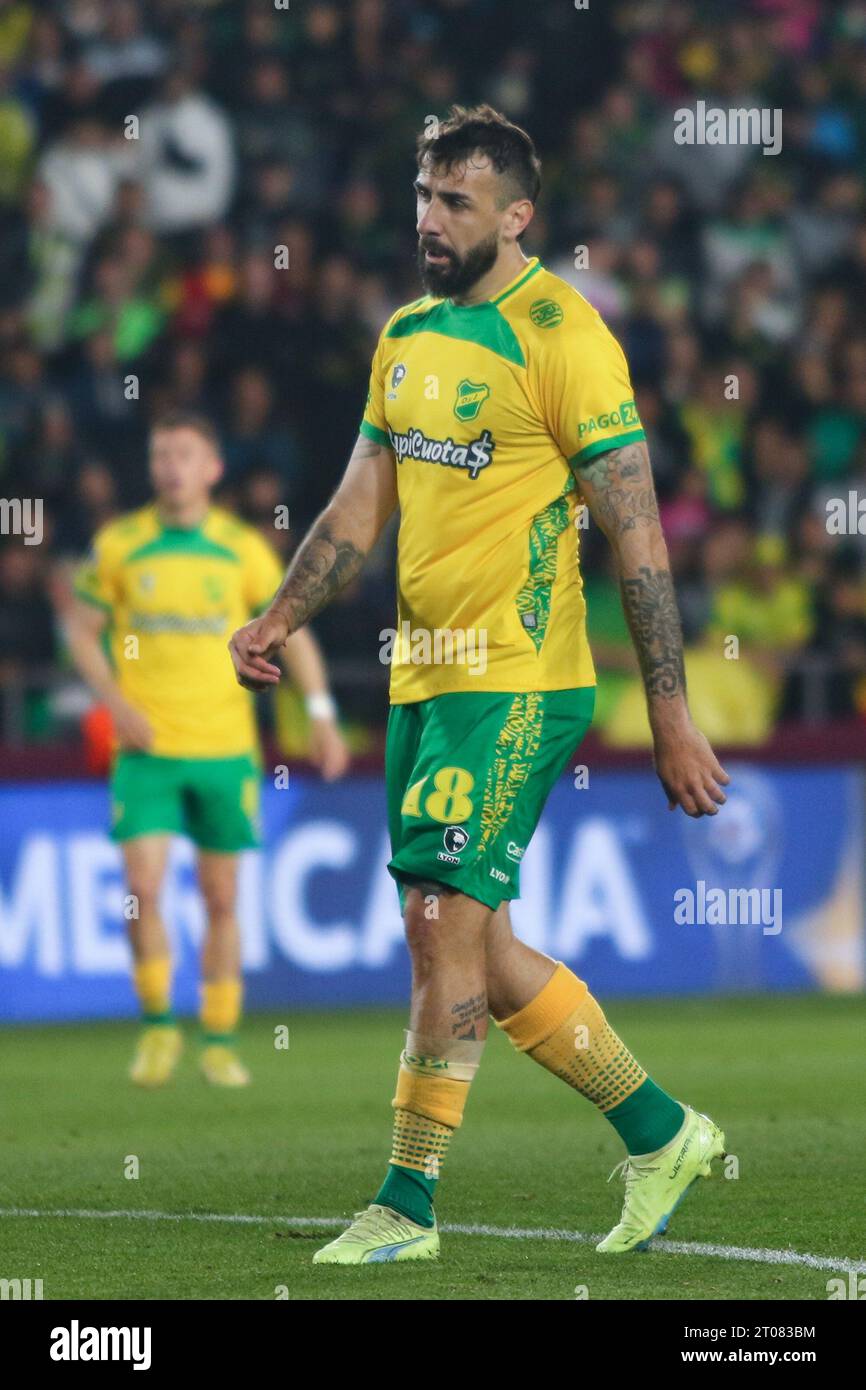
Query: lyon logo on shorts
column 455, row 839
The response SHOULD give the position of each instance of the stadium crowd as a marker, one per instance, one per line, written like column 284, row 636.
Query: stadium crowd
column 154, row 158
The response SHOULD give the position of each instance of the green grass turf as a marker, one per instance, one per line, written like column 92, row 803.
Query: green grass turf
column 783, row 1076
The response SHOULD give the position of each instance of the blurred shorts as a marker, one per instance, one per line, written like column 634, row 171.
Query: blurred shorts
column 214, row 801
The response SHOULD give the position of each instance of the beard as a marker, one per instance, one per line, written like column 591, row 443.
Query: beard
column 456, row 275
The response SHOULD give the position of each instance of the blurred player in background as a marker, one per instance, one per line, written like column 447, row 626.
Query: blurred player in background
column 156, row 599
column 498, row 402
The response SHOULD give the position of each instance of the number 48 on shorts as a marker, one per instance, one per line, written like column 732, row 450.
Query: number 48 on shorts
column 467, row 777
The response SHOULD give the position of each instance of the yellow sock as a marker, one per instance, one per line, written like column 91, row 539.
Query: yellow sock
column 220, row 1008
column 432, row 1086
column 152, row 981
column 564, row 1029
column 419, row 1140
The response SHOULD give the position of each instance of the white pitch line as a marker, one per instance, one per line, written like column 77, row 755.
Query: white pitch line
column 742, row 1253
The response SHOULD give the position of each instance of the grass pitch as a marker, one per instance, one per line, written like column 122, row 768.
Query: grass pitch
column 310, row 1139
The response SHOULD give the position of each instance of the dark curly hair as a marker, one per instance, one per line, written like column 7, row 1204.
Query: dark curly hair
column 482, row 130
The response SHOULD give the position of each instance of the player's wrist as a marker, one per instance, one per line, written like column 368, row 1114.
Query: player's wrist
column 321, row 705
column 669, row 718
column 278, row 614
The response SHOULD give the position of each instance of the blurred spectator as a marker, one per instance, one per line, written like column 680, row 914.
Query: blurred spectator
column 275, row 131
column 715, row 426
column 26, row 615
column 120, row 305
column 768, row 611
column 254, row 439
column 187, row 160
column 840, row 643
column 48, row 455
column 99, row 392
column 92, row 501
column 17, row 140
column 81, row 172
column 22, row 391
column 123, row 59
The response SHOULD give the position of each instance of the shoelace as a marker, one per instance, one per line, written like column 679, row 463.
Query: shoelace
column 630, row 1173
column 631, row 1176
column 370, row 1222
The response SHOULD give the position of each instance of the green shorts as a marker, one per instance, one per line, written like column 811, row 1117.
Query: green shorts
column 467, row 776
column 215, row 801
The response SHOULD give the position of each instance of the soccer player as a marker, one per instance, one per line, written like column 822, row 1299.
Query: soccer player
column 499, row 402
column 166, row 585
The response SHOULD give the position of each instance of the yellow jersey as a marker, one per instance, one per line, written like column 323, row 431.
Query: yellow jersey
column 484, row 407
column 174, row 597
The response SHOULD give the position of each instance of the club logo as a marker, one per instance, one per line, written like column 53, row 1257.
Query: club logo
column 545, row 313
column 471, row 396
column 455, row 839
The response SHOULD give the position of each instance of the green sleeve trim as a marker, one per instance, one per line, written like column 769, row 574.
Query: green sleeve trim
column 373, row 432
column 91, row 598
column 604, row 446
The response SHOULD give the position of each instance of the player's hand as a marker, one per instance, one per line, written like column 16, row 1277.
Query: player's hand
column 132, row 729
column 689, row 771
column 254, row 647
column 328, row 749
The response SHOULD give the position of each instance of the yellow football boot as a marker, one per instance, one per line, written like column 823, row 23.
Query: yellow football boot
column 380, row 1236
column 655, row 1185
column 221, row 1066
column 157, row 1051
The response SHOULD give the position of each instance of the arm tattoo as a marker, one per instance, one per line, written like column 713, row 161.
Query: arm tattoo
column 650, row 606
column 323, row 566
column 618, row 489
